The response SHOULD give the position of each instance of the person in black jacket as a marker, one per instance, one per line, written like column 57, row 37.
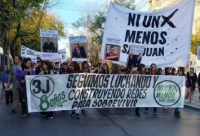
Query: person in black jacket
column 79, row 52
column 65, row 69
column 38, row 68
column 48, row 46
column 132, row 60
column 192, row 78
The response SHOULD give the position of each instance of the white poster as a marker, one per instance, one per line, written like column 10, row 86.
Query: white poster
column 198, row 52
column 49, row 56
column 165, row 33
column 136, row 49
column 78, row 48
column 29, row 53
column 77, row 39
column 71, row 91
column 62, row 55
column 49, row 33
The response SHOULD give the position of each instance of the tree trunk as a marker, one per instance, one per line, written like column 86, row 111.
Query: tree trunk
column 5, row 46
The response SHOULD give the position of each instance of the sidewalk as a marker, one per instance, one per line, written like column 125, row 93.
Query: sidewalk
column 196, row 104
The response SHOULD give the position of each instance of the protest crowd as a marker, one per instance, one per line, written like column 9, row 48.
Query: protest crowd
column 14, row 81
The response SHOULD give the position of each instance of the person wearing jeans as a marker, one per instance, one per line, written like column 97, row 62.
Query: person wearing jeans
column 12, row 75
column 21, row 72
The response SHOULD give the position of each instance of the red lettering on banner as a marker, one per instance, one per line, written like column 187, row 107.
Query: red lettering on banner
column 112, row 57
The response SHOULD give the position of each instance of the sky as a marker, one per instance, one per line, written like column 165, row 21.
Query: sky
column 69, row 12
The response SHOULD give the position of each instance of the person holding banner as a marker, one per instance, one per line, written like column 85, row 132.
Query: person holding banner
column 85, row 67
column 116, row 70
column 75, row 68
column 153, row 71
column 104, row 70
column 48, row 46
column 65, row 69
column 47, row 70
column 21, row 74
column 141, row 71
column 176, row 111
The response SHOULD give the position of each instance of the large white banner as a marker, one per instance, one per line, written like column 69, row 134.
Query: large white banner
column 165, row 33
column 76, row 91
column 33, row 54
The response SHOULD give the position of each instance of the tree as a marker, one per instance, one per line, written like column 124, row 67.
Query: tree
column 195, row 40
column 13, row 10
column 93, row 21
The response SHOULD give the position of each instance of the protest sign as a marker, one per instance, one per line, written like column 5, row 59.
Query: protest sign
column 49, row 56
column 77, row 91
column 165, row 33
column 29, row 53
column 62, row 55
column 49, row 40
column 49, row 33
column 78, row 48
column 136, row 49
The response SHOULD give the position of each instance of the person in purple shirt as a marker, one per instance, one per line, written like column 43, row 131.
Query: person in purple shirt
column 21, row 74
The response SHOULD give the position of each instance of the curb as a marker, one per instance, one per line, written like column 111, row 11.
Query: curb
column 192, row 107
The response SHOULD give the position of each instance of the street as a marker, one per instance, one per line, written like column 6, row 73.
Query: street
column 96, row 122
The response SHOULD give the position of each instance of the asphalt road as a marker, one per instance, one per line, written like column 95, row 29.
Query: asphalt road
column 96, row 122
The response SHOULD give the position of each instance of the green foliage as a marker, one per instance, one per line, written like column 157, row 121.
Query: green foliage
column 126, row 3
column 195, row 40
column 94, row 23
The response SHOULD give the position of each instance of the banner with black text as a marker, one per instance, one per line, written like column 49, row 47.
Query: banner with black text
column 76, row 91
column 165, row 33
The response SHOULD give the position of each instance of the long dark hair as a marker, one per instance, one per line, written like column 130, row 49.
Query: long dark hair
column 76, row 67
column 25, row 60
column 107, row 68
column 88, row 69
column 166, row 73
column 49, row 65
column 140, row 69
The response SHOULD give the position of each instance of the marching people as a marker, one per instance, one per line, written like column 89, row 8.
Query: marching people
column 116, row 70
column 56, row 68
column 141, row 71
column 85, row 67
column 39, row 67
column 129, row 70
column 104, row 70
column 167, row 71
column 21, row 74
column 47, row 70
column 12, row 75
column 153, row 71
column 173, row 71
column 8, row 90
column 65, row 69
column 192, row 78
column 75, row 68
column 176, row 111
